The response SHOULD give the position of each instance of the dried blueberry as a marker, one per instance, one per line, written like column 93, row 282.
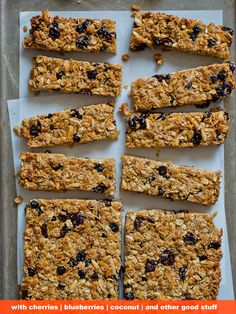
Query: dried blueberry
column 151, row 178
column 59, row 75
column 49, row 116
column 218, row 134
column 82, row 273
column 83, row 26
column 197, row 137
column 99, row 168
column 61, row 286
column 144, row 278
column 206, row 116
column 99, row 188
column 72, row 262
column 77, row 219
column 62, row 217
column 86, row 92
column 81, row 256
column 114, row 227
column 35, row 130
column 215, row 98
column 161, row 77
column 103, row 48
column 202, row 257
column 189, row 85
column 214, row 78
column 31, row 272
column 167, row 257
column 139, row 47
column 160, row 191
column 75, row 113
column 224, row 89
column 76, row 138
column 55, row 24
column 222, row 75
column 214, row 245
column 142, row 122
column 133, row 123
column 103, row 31
column 156, row 42
column 24, row 294
column 231, row 66
column 182, row 272
column 129, row 295
column 193, row 36
column 82, row 42
column 104, row 235
column 92, row 74
column 44, row 230
column 211, row 42
column 197, row 29
column 107, row 202
column 150, row 265
column 87, row 263
column 162, row 116
column 166, row 42
column 54, row 33
column 64, row 230
column 95, row 275
column 54, row 218
column 228, row 30
column 163, row 171
column 190, row 238
column 61, row 270
column 57, row 167
column 34, row 204
column 137, row 222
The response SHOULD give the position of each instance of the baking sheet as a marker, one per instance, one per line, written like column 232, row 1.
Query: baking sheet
column 140, row 64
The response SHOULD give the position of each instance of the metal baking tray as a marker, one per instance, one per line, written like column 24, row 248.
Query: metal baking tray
column 9, row 69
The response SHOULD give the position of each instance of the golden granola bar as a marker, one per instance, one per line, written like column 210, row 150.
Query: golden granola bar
column 178, row 129
column 71, row 34
column 195, row 86
column 168, row 180
column 171, row 256
column 169, row 32
column 56, row 172
column 71, row 76
column 72, row 249
column 82, row 125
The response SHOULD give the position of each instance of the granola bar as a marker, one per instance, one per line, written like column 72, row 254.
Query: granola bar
column 168, row 180
column 82, row 125
column 45, row 171
column 71, row 76
column 71, row 34
column 195, row 86
column 171, row 256
column 169, row 32
column 176, row 129
column 72, row 249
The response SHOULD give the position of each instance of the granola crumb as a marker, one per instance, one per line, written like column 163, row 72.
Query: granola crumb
column 159, row 59
column 16, row 129
column 19, row 200
column 126, row 86
column 125, row 57
column 135, row 7
column 25, row 28
column 124, row 109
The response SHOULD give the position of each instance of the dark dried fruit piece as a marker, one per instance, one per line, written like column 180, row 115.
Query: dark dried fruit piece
column 73, row 262
column 34, row 204
column 133, row 123
column 54, row 32
column 99, row 168
column 83, row 26
column 166, row 42
column 156, row 42
column 82, row 42
column 95, row 275
column 86, row 92
column 101, row 188
column 24, row 294
column 61, row 286
column 31, row 272
column 62, row 217
column 59, row 75
column 103, row 31
column 61, row 270
column 161, row 77
column 81, row 256
column 228, row 30
column 182, row 272
column 82, row 273
column 224, row 89
column 75, row 113
column 87, row 263
column 107, row 202
column 64, row 230
column 139, row 47
column 202, row 257
column 214, row 78
column 35, row 130
column 54, row 218
column 129, row 295
column 163, row 171
column 44, row 230
column 137, row 222
column 214, row 245
column 77, row 219
column 114, row 227
column 211, row 42
column 150, row 265
column 231, row 66
column 76, row 138
column 161, row 191
column 92, row 74
column 189, row 85
column 142, row 123
column 190, row 238
column 222, row 75
column 197, row 137
column 57, row 167
column 167, row 257
column 197, row 29
column 193, row 36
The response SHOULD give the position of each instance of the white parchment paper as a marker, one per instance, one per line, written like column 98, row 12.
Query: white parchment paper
column 140, row 64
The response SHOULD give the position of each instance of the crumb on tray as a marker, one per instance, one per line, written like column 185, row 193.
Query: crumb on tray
column 125, row 57
column 159, row 59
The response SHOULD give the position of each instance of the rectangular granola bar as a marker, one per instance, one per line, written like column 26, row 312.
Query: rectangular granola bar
column 71, row 34
column 169, row 32
column 72, row 249
column 168, row 180
column 82, row 125
column 195, row 86
column 171, row 256
column 71, row 76
column 178, row 129
column 45, row 171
